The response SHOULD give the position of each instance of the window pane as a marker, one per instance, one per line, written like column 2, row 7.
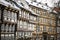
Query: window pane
column 58, row 29
column 5, row 14
column 2, row 27
column 7, row 27
column 38, row 29
column 44, row 28
column 12, row 17
column 15, row 17
column 8, row 15
column 21, row 22
column 2, row 37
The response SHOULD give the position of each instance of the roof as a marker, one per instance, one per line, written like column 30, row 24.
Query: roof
column 7, row 4
column 27, row 9
column 42, row 6
column 57, row 9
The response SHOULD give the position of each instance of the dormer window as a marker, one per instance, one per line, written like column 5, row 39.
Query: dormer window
column 22, row 4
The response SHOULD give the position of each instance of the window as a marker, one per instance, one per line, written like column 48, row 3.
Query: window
column 52, row 15
column 7, row 36
column 19, row 34
column 34, row 9
column 38, row 29
column 26, row 33
column 38, row 11
column 50, row 29
column 41, row 20
column 9, row 15
column 22, row 4
column 24, row 14
column 2, row 37
column 7, row 28
column 50, row 22
column 44, row 28
column 20, row 14
column 28, row 15
column 15, row 17
column 58, row 22
column 12, row 17
column 13, row 28
column 59, row 16
column 31, row 17
column 12, row 37
column 10, row 28
column 58, row 37
column 44, row 20
column 21, row 24
column 58, row 29
column 44, row 13
column 29, row 26
column 34, row 18
column 32, row 28
column 41, row 27
column 2, row 28
column 5, row 14
column 25, row 25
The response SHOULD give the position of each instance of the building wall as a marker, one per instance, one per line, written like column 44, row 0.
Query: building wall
column 46, row 23
column 25, row 23
column 16, row 24
column 58, row 26
column 8, row 23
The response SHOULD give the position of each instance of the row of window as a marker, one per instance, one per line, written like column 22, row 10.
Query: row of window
column 25, row 25
column 45, row 29
column 36, row 10
column 47, row 21
column 10, row 16
column 42, row 12
column 52, row 37
column 22, row 34
column 26, row 15
column 7, row 37
column 7, row 28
